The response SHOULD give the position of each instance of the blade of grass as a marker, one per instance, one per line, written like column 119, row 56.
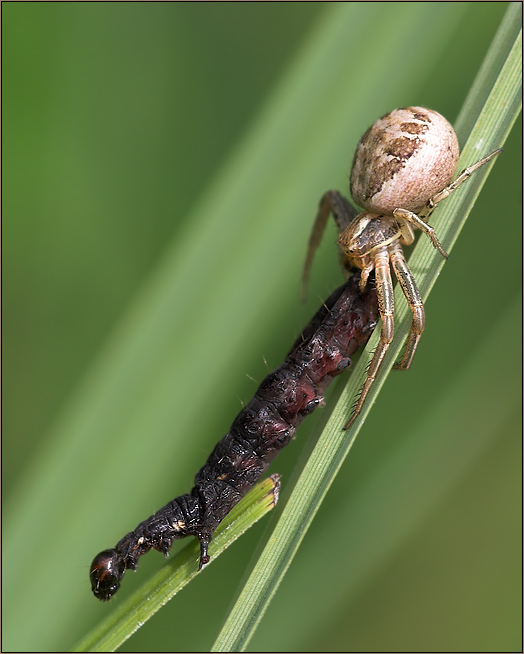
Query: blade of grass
column 497, row 108
column 400, row 497
column 127, row 409
column 114, row 421
column 179, row 571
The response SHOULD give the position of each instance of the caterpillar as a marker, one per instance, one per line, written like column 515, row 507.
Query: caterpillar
column 265, row 425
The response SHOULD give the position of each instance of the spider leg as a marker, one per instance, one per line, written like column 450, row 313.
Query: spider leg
column 410, row 217
column 419, row 220
column 386, row 309
column 409, row 287
column 407, row 235
column 364, row 275
column 332, row 202
column 448, row 190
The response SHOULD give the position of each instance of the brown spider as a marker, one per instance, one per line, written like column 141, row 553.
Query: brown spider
column 402, row 169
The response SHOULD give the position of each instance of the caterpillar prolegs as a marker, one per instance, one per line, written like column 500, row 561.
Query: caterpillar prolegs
column 264, row 426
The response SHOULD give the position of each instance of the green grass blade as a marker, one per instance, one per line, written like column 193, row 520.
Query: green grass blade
column 178, row 572
column 210, row 291
column 499, row 107
column 153, row 256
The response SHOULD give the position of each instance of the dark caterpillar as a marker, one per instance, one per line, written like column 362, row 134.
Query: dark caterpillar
column 263, row 427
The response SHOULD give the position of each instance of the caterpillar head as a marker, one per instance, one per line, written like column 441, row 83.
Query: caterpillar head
column 105, row 574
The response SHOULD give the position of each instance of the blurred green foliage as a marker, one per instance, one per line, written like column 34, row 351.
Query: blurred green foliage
column 121, row 121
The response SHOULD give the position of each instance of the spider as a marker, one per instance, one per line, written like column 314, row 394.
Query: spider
column 403, row 167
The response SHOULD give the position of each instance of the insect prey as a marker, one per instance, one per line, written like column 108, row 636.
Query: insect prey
column 262, row 428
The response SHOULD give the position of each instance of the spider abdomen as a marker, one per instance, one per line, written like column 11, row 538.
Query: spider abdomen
column 403, row 159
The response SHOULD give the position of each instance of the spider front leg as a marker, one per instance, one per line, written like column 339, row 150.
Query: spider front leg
column 448, row 190
column 403, row 216
column 332, row 202
column 387, row 313
column 409, row 287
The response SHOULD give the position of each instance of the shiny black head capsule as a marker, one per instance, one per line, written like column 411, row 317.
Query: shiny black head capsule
column 105, row 574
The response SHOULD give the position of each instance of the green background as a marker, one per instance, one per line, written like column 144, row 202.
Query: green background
column 121, row 123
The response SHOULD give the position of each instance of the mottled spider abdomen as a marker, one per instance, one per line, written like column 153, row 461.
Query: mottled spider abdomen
column 403, row 159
